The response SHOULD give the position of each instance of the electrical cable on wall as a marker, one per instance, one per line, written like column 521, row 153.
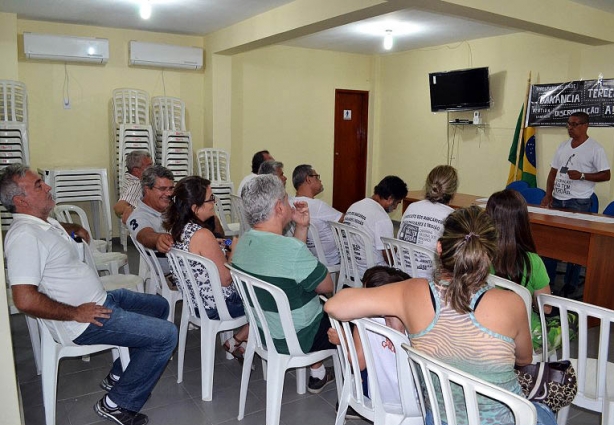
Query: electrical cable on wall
column 65, row 88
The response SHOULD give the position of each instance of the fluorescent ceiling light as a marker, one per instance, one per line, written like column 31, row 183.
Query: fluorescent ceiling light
column 388, row 40
column 145, row 10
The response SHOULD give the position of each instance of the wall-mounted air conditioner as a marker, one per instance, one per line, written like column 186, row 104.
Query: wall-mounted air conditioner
column 65, row 48
column 165, row 55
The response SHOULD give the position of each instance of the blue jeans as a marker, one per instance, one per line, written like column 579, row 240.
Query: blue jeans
column 572, row 273
column 138, row 321
column 544, row 415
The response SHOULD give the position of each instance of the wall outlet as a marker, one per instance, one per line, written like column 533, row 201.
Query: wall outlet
column 477, row 118
column 66, row 103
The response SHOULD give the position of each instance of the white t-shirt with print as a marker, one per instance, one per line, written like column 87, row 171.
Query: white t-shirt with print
column 589, row 157
column 372, row 218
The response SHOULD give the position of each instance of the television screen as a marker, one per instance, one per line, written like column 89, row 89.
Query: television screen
column 460, row 90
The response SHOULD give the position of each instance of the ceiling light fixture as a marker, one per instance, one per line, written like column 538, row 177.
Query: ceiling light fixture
column 388, row 41
column 145, row 10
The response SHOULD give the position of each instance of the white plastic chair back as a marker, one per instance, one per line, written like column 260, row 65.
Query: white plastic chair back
column 112, row 281
column 168, row 113
column 528, row 303
column 66, row 213
column 224, row 212
column 236, row 204
column 214, row 164
column 156, row 281
column 55, row 345
column 426, row 368
column 415, row 260
column 352, row 244
column 261, row 342
column 13, row 102
column 183, row 264
column 373, row 408
column 590, row 359
column 315, row 246
column 130, row 106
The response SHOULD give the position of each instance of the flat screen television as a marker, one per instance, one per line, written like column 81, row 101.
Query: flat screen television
column 460, row 90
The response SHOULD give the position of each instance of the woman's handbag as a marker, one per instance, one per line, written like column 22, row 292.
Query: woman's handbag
column 551, row 383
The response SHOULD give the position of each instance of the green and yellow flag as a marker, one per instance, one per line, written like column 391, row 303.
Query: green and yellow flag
column 527, row 166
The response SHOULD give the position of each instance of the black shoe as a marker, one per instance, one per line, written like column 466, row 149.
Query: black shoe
column 119, row 415
column 108, row 383
column 316, row 385
column 350, row 413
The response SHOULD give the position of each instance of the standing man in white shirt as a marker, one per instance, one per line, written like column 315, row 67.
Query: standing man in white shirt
column 307, row 183
column 578, row 164
column 371, row 216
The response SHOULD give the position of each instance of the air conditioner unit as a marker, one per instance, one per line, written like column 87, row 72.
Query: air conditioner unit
column 165, row 55
column 65, row 48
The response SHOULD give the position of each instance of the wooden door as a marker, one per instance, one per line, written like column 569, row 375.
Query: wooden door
column 350, row 153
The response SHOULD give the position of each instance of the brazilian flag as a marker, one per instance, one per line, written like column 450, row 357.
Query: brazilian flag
column 527, row 167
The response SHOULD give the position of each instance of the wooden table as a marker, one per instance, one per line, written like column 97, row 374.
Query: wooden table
column 588, row 243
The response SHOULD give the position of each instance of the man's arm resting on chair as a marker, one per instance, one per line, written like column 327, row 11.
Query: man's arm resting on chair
column 162, row 242
column 28, row 300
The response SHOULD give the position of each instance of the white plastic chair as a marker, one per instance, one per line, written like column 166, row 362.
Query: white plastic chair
column 595, row 374
column 415, row 260
column 352, row 244
column 230, row 223
column 528, row 303
column 373, row 408
column 113, row 281
column 183, row 264
column 55, row 346
column 261, row 342
column 424, row 368
column 109, row 262
column 35, row 338
column 315, row 246
column 214, row 164
column 155, row 278
column 236, row 203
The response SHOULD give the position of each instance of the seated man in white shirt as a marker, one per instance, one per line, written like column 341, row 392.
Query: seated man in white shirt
column 50, row 282
column 307, row 183
column 145, row 223
column 371, row 216
column 275, row 168
column 258, row 158
column 130, row 192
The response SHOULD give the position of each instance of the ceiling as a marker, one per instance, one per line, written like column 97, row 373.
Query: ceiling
column 412, row 29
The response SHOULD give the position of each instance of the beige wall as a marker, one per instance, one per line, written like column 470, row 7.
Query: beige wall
column 283, row 100
column 81, row 135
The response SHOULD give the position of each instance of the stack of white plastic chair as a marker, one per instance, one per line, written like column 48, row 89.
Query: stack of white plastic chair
column 133, row 132
column 214, row 165
column 173, row 141
column 13, row 131
column 70, row 186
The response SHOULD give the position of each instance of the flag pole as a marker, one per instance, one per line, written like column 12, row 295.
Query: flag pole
column 521, row 135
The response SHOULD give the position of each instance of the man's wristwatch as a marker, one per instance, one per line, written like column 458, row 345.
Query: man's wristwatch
column 582, row 176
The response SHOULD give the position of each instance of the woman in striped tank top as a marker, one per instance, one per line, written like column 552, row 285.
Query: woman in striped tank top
column 457, row 317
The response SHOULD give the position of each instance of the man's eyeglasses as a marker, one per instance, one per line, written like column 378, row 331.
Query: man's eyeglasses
column 211, row 199
column 575, row 124
column 164, row 188
column 317, row 176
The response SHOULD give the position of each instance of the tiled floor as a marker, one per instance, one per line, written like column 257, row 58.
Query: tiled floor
column 178, row 404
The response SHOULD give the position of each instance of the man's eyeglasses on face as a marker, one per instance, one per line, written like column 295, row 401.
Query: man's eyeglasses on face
column 211, row 199
column 574, row 124
column 164, row 189
column 317, row 176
